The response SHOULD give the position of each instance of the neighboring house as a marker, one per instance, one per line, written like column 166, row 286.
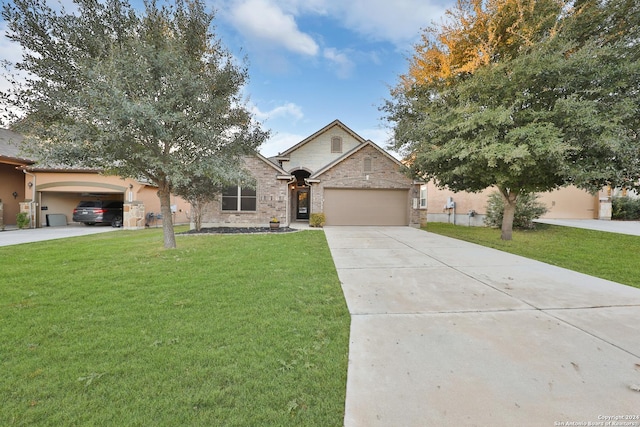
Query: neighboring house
column 44, row 191
column 464, row 208
column 336, row 172
column 12, row 179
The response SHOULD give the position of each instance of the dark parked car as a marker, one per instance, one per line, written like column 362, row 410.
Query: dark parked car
column 99, row 212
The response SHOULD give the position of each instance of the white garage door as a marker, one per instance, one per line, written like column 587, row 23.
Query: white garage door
column 351, row 206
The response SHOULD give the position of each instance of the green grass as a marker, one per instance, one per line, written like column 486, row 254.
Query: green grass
column 113, row 330
column 610, row 256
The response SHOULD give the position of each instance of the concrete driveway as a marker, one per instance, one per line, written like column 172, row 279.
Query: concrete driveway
column 445, row 332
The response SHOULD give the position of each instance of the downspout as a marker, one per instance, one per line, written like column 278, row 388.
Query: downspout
column 32, row 213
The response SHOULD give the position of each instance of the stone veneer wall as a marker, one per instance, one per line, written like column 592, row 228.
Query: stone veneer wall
column 133, row 215
column 350, row 173
column 271, row 195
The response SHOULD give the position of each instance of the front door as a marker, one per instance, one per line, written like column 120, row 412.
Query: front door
column 302, row 205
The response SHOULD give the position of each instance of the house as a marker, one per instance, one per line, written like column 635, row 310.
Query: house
column 336, row 172
column 463, row 208
column 352, row 181
column 47, row 192
column 12, row 179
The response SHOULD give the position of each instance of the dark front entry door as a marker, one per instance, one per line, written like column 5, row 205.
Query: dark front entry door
column 302, row 205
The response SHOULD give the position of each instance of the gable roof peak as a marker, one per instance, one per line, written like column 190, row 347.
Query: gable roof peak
column 351, row 152
column 334, row 123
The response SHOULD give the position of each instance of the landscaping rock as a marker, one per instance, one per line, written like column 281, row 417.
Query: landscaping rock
column 240, row 230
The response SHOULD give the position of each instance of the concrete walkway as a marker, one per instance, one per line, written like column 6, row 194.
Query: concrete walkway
column 445, row 332
column 16, row 237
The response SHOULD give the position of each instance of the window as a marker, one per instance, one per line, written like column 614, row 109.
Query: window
column 237, row 198
column 423, row 196
column 367, row 165
column 336, row 144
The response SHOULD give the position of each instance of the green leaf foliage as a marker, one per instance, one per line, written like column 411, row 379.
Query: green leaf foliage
column 528, row 208
column 625, row 208
column 151, row 95
column 560, row 110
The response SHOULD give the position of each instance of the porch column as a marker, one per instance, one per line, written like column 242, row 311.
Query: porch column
column 133, row 215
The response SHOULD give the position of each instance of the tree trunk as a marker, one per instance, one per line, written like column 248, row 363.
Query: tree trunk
column 196, row 213
column 508, row 213
column 164, row 193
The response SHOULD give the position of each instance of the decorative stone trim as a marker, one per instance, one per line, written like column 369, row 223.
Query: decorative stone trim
column 133, row 215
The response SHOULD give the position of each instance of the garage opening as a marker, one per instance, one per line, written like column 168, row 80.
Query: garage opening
column 57, row 206
column 356, row 206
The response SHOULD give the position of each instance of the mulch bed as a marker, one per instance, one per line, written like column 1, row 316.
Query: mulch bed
column 240, row 230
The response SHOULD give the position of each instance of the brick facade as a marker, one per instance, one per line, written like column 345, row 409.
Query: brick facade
column 271, row 200
column 384, row 173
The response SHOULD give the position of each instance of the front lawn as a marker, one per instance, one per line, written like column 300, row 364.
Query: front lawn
column 113, row 330
column 610, row 256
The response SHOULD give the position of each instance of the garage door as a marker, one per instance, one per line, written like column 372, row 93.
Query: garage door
column 346, row 206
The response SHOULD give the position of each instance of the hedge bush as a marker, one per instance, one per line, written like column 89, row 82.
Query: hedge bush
column 527, row 209
column 317, row 220
column 625, row 208
column 22, row 219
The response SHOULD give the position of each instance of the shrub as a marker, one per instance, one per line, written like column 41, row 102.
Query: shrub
column 625, row 208
column 317, row 220
column 527, row 209
column 22, row 219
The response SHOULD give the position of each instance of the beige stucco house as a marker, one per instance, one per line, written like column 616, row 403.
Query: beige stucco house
column 334, row 171
column 45, row 192
column 464, row 208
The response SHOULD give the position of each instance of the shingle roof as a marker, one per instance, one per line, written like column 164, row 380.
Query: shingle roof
column 10, row 146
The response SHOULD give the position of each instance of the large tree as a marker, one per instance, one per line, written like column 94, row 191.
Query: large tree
column 517, row 94
column 151, row 95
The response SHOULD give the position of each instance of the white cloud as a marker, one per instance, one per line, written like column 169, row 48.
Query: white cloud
column 398, row 21
column 266, row 24
column 341, row 64
column 279, row 143
column 9, row 50
column 289, row 109
column 381, row 136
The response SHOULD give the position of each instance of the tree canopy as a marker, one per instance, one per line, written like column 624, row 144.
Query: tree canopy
column 524, row 95
column 150, row 95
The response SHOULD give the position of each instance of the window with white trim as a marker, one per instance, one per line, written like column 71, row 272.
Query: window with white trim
column 238, row 198
column 423, row 197
column 336, row 144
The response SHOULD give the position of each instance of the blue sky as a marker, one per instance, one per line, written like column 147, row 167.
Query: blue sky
column 314, row 61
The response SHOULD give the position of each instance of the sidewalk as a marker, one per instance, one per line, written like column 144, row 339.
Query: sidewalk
column 445, row 332
column 621, row 227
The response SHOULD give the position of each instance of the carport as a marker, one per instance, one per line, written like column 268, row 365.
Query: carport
column 57, row 192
